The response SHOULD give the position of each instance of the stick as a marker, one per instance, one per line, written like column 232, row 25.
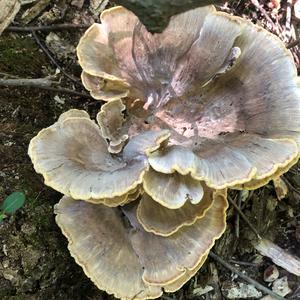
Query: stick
column 290, row 185
column 289, row 18
column 41, row 85
column 36, row 82
column 237, row 221
column 47, row 52
column 293, row 44
column 245, row 277
column 244, row 217
column 55, row 27
column 265, row 14
column 243, row 263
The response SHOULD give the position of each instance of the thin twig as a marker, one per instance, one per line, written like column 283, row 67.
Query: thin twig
column 7, row 75
column 289, row 18
column 243, row 263
column 296, row 294
column 293, row 44
column 245, row 277
column 47, row 52
column 265, row 14
column 290, row 185
column 279, row 256
column 35, row 82
column 237, row 221
column 55, row 27
column 244, row 217
column 31, row 83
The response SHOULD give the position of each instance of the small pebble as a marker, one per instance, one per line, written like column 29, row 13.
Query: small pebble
column 59, row 100
column 271, row 273
column 202, row 291
column 241, row 291
column 77, row 3
column 281, row 286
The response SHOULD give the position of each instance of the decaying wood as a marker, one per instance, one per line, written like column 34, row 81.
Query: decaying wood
column 244, row 276
column 279, row 256
column 8, row 10
column 40, row 83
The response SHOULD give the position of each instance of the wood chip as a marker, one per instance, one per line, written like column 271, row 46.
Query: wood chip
column 8, row 11
column 31, row 13
column 279, row 256
column 281, row 286
column 241, row 291
column 281, row 188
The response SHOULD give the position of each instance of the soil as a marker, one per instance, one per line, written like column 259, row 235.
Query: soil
column 34, row 260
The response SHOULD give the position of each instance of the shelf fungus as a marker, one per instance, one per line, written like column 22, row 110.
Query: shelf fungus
column 211, row 103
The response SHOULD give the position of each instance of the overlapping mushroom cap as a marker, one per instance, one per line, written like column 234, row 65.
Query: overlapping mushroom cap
column 213, row 102
column 226, row 90
column 124, row 259
column 127, row 243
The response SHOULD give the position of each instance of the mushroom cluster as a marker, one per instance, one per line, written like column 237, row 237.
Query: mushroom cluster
column 211, row 103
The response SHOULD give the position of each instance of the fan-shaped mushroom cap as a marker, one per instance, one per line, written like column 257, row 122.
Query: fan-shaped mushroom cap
column 212, row 102
column 164, row 221
column 182, row 251
column 119, row 256
column 110, row 120
column 73, row 113
column 101, row 245
column 257, row 183
column 176, row 285
column 106, row 49
column 73, row 157
column 226, row 89
column 118, row 200
column 104, row 89
column 229, row 161
column 173, row 190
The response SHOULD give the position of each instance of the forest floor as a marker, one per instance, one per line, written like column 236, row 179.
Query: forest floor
column 34, row 260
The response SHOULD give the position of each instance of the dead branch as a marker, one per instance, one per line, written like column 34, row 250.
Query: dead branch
column 243, row 276
column 55, row 27
column 40, row 83
column 35, row 82
column 293, row 44
column 49, row 55
column 244, row 217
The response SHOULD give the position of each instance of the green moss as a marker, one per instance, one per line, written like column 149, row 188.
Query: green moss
column 14, row 298
column 20, row 56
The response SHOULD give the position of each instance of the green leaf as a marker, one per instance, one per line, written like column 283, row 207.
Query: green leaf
column 13, row 202
column 2, row 216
